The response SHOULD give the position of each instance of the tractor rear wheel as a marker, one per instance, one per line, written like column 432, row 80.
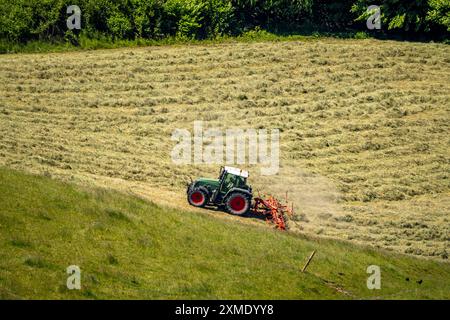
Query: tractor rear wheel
column 197, row 198
column 238, row 203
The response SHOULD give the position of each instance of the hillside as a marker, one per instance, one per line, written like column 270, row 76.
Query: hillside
column 364, row 127
column 129, row 248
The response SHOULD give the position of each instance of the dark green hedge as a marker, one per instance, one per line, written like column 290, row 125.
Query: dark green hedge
column 23, row 20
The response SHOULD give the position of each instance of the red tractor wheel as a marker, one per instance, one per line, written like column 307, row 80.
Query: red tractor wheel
column 197, row 198
column 238, row 204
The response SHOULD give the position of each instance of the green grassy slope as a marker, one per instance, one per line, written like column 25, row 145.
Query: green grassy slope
column 129, row 248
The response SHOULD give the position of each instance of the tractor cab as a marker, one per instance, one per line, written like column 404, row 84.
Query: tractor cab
column 230, row 191
column 232, row 178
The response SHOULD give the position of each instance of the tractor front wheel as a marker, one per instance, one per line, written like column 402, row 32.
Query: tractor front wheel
column 197, row 198
column 238, row 203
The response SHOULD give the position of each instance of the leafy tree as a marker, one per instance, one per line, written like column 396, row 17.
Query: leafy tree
column 272, row 14
column 439, row 13
column 333, row 15
column 23, row 20
column 409, row 16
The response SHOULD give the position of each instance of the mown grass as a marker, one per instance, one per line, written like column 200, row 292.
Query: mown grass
column 364, row 126
column 129, row 248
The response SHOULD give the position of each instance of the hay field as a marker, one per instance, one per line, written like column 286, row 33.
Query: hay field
column 364, row 127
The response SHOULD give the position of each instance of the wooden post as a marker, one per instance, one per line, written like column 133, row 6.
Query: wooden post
column 309, row 260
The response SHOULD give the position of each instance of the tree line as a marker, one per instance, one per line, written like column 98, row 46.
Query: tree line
column 24, row 20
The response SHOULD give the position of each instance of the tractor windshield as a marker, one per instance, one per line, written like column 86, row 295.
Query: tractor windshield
column 229, row 180
column 240, row 181
column 228, row 183
column 232, row 181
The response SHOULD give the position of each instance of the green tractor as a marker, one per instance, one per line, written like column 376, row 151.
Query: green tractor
column 229, row 192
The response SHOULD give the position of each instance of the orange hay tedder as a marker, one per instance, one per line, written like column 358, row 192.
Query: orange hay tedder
column 274, row 211
column 231, row 193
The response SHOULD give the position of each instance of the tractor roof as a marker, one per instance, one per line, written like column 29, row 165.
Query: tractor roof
column 237, row 172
